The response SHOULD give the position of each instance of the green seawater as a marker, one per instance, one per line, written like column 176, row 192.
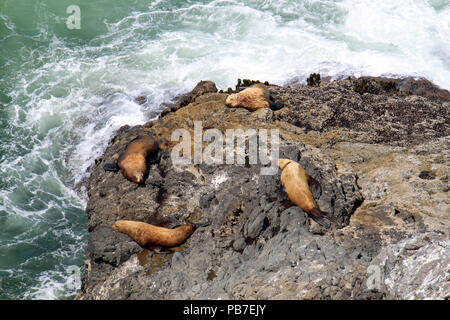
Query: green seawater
column 64, row 92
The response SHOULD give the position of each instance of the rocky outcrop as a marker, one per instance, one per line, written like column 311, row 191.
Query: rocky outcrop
column 383, row 175
column 374, row 116
column 403, row 86
column 181, row 101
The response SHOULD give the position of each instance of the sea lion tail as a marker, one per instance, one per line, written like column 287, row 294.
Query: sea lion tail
column 111, row 167
column 323, row 218
column 275, row 105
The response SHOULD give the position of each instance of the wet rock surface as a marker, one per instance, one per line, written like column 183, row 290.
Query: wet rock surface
column 383, row 175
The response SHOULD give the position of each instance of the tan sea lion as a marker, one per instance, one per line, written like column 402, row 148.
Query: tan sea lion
column 296, row 181
column 151, row 236
column 252, row 98
column 133, row 161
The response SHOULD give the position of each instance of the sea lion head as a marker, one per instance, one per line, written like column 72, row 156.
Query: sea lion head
column 282, row 163
column 138, row 176
column 118, row 225
column 232, row 100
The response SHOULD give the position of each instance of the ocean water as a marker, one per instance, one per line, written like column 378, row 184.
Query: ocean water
column 63, row 92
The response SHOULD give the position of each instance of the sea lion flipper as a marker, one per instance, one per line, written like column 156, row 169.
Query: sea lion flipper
column 111, row 167
column 323, row 218
column 160, row 249
column 275, row 105
column 168, row 224
column 315, row 187
column 156, row 158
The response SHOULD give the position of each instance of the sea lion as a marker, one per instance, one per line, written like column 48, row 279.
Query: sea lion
column 151, row 236
column 296, row 181
column 133, row 161
column 253, row 98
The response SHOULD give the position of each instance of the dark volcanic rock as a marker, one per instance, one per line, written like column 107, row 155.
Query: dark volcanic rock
column 259, row 245
column 108, row 246
column 375, row 115
column 403, row 86
column 424, row 88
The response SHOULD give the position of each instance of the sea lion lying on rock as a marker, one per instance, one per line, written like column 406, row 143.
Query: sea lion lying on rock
column 296, row 181
column 253, row 98
column 155, row 237
column 133, row 161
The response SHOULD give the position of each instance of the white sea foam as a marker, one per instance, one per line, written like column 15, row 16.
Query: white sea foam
column 56, row 284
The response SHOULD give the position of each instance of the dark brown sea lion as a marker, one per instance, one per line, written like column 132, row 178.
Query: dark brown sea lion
column 296, row 181
column 253, row 98
column 133, row 161
column 151, row 236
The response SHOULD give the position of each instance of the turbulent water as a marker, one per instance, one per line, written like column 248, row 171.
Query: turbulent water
column 63, row 92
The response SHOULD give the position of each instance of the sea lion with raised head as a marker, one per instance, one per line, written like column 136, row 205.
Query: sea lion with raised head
column 133, row 161
column 151, row 236
column 253, row 98
column 296, row 181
